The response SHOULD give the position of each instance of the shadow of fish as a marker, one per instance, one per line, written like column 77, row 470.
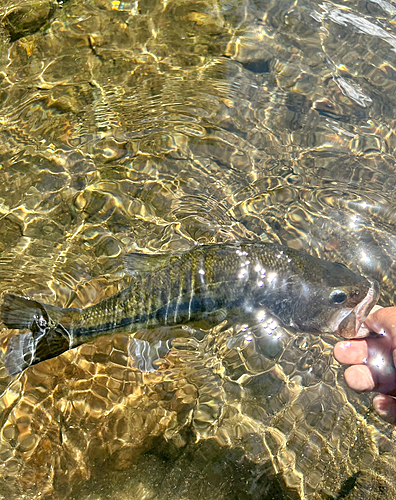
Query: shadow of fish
column 200, row 287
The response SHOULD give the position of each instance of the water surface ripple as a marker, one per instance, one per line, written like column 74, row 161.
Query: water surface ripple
column 154, row 125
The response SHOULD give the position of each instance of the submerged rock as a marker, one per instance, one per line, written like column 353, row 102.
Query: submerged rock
column 27, row 17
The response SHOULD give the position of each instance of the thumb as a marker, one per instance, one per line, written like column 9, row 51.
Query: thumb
column 383, row 321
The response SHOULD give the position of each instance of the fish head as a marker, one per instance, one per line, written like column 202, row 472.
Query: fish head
column 339, row 302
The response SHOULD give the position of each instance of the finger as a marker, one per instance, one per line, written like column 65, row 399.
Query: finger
column 359, row 378
column 374, row 367
column 351, row 352
column 380, row 377
column 364, row 331
column 385, row 406
column 355, row 352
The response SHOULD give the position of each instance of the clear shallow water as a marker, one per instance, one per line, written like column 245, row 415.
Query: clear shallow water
column 151, row 126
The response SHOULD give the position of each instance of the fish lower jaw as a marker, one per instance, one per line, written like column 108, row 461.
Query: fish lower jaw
column 350, row 321
column 337, row 320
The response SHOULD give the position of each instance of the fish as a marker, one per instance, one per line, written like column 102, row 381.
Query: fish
column 199, row 287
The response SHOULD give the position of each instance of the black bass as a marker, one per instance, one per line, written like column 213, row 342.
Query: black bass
column 207, row 283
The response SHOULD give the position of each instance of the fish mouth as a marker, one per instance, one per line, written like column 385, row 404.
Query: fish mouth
column 350, row 320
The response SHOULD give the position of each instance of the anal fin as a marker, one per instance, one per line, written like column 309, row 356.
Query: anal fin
column 144, row 354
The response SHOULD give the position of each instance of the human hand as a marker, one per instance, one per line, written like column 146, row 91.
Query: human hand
column 373, row 361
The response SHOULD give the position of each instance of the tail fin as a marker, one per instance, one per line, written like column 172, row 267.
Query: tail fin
column 27, row 349
column 22, row 312
column 47, row 339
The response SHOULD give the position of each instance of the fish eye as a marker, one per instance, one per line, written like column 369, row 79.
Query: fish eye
column 338, row 296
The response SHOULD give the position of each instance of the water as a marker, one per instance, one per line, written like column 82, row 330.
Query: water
column 152, row 126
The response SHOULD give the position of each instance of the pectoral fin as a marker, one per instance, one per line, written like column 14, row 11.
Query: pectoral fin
column 144, row 353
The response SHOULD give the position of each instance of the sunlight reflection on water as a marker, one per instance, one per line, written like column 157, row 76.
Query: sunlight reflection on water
column 150, row 127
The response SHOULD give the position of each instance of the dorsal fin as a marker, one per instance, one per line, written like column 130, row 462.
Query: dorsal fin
column 139, row 265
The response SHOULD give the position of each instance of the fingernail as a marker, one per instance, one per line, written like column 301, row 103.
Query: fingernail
column 345, row 345
column 386, row 409
column 384, row 404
